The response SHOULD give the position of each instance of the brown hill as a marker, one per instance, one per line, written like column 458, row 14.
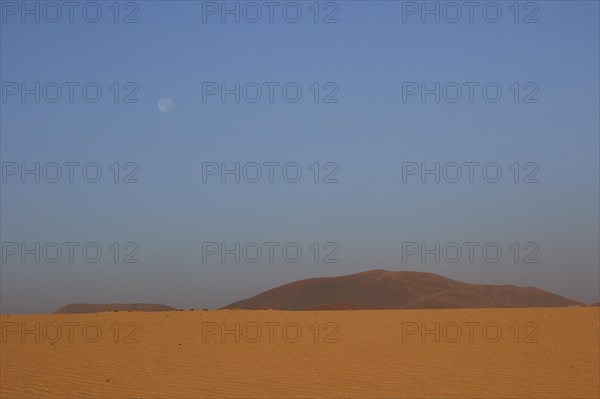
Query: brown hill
column 382, row 289
column 108, row 307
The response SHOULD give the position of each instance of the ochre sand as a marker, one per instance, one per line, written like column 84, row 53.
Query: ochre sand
column 370, row 358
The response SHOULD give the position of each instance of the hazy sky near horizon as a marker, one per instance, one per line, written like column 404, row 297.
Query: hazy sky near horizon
column 356, row 118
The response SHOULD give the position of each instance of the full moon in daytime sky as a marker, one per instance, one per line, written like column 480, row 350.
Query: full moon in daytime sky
column 165, row 105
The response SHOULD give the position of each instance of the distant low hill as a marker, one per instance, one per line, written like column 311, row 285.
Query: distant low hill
column 382, row 289
column 108, row 307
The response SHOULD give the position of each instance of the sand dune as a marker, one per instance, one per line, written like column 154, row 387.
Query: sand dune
column 482, row 353
column 381, row 289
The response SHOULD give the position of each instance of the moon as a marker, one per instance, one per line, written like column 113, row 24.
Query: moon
column 165, row 105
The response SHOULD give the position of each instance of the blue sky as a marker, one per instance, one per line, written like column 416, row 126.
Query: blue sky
column 367, row 55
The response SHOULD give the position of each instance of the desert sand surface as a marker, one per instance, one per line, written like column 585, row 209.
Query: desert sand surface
column 501, row 353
